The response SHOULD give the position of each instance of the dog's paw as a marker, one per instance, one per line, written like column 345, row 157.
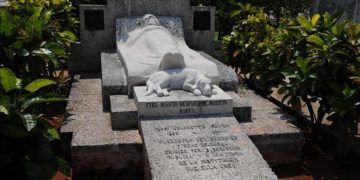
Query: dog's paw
column 197, row 92
column 160, row 94
column 166, row 92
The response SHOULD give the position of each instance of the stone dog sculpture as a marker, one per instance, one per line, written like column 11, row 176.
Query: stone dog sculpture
column 179, row 79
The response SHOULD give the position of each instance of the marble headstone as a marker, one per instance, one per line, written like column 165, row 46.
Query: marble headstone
column 142, row 44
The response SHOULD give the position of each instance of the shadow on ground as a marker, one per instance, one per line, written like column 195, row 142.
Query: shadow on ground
column 320, row 161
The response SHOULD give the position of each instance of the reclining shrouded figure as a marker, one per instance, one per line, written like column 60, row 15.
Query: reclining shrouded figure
column 150, row 48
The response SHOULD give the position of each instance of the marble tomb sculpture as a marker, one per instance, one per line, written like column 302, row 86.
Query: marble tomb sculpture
column 155, row 55
column 179, row 79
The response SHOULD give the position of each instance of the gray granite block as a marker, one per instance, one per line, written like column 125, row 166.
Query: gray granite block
column 272, row 130
column 228, row 80
column 181, row 103
column 123, row 151
column 123, row 112
column 86, row 86
column 212, row 147
column 89, row 142
column 242, row 109
column 113, row 77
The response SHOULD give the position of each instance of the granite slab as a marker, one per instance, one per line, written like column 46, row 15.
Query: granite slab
column 87, row 139
column 242, row 109
column 113, row 77
column 123, row 113
column 211, row 147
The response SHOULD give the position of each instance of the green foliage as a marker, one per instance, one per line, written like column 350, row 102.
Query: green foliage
column 312, row 59
column 247, row 45
column 35, row 36
column 326, row 73
column 25, row 149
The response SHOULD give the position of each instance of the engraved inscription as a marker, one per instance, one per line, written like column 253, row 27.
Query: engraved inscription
column 185, row 107
column 214, row 151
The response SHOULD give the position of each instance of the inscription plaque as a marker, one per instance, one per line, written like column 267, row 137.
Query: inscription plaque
column 202, row 20
column 201, row 148
column 181, row 103
column 94, row 20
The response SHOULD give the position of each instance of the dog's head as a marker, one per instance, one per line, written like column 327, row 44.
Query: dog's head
column 205, row 86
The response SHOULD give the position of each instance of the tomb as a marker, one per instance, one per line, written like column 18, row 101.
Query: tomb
column 162, row 105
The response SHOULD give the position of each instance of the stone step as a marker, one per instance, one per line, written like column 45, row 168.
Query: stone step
column 124, row 113
column 113, row 77
column 181, row 103
column 272, row 130
column 88, row 141
column 242, row 109
column 209, row 147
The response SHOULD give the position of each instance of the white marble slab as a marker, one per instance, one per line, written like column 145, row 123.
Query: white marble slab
column 181, row 103
column 141, row 50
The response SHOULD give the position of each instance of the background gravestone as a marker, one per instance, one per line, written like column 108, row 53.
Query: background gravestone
column 4, row 3
column 349, row 8
column 202, row 20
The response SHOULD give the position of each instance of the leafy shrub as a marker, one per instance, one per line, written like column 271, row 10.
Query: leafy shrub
column 248, row 43
column 313, row 59
column 328, row 72
column 35, row 36
column 25, row 149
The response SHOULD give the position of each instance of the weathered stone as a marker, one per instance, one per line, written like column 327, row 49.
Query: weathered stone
column 242, row 109
column 86, row 86
column 113, row 77
column 181, row 103
column 201, row 148
column 88, row 141
column 228, row 80
column 272, row 131
column 350, row 9
column 123, row 112
column 121, row 153
column 201, row 39
column 84, row 103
